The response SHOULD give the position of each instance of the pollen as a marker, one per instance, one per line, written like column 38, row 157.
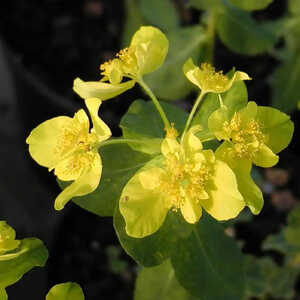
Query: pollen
column 106, row 67
column 76, row 146
column 78, row 163
column 212, row 80
column 66, row 141
column 184, row 179
column 247, row 137
column 124, row 64
column 129, row 61
column 73, row 137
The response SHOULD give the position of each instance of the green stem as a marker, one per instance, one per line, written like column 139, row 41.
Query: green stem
column 192, row 113
column 120, row 141
column 155, row 102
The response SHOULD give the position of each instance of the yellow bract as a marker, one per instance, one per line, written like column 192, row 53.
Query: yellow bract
column 145, row 54
column 253, row 134
column 249, row 135
column 68, row 146
column 246, row 136
column 186, row 179
column 65, row 291
column 8, row 240
column 208, row 80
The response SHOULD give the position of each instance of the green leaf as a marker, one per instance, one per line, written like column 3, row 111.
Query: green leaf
column 32, row 253
column 280, row 280
column 169, row 82
column 209, row 264
column 160, row 13
column 256, row 281
column 120, row 162
column 264, row 277
column 285, row 84
column 294, row 7
column 241, row 33
column 235, row 99
column 290, row 30
column 3, row 295
column 156, row 248
column 292, row 231
column 159, row 283
column 134, row 20
column 283, row 282
column 143, row 122
column 277, row 242
column 251, row 4
column 66, row 291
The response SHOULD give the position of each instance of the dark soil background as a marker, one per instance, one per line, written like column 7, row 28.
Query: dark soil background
column 45, row 45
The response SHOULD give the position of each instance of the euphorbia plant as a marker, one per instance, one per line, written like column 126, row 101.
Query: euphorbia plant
column 163, row 182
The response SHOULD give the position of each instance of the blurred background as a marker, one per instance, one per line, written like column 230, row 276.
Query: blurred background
column 44, row 46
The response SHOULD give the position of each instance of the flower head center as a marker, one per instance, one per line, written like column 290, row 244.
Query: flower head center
column 210, row 79
column 73, row 139
column 125, row 64
column 247, row 137
column 129, row 62
column 76, row 147
column 112, row 71
column 184, row 179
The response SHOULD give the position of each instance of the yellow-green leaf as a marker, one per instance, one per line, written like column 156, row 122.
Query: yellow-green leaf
column 65, row 291
column 101, row 90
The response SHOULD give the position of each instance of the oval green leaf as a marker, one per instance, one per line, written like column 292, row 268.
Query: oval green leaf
column 209, row 264
column 241, row 33
column 160, row 283
column 156, row 248
column 142, row 122
column 66, row 291
column 285, row 84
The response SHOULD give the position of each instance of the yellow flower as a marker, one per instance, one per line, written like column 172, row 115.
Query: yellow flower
column 68, row 146
column 254, row 134
column 146, row 53
column 186, row 179
column 208, row 80
column 8, row 240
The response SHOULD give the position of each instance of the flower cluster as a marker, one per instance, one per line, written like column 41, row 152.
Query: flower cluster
column 185, row 176
column 68, row 145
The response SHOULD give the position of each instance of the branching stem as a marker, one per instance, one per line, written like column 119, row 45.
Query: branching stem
column 192, row 113
column 155, row 102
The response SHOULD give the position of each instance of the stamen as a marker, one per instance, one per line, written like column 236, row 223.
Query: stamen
column 211, row 79
column 183, row 179
column 247, row 138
